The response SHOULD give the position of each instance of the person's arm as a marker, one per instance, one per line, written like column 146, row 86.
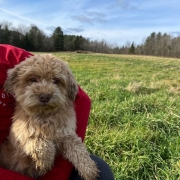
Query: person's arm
column 9, row 57
column 63, row 168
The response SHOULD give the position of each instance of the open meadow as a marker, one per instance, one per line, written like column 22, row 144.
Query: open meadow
column 134, row 123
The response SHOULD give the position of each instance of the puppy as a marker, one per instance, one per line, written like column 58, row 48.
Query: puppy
column 44, row 122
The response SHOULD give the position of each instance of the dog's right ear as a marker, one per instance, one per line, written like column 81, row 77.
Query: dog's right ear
column 10, row 80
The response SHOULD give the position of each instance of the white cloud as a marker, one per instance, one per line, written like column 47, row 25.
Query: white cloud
column 87, row 19
column 76, row 29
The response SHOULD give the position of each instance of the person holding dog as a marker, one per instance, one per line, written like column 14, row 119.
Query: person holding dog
column 62, row 169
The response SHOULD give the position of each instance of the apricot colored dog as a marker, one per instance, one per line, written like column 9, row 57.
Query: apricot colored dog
column 44, row 122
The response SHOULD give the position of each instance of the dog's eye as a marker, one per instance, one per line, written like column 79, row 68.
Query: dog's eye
column 33, row 80
column 56, row 81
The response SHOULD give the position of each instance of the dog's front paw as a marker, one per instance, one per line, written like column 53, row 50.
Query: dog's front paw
column 89, row 170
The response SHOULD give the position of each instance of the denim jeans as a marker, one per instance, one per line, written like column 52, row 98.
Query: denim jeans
column 105, row 171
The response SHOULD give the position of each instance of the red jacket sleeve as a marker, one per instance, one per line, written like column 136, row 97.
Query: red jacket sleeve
column 63, row 168
column 9, row 57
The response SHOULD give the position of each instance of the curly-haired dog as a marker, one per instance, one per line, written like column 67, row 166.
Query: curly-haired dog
column 44, row 122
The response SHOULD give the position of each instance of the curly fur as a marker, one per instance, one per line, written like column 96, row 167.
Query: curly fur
column 44, row 122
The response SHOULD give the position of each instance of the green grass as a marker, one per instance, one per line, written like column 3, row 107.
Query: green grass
column 134, row 123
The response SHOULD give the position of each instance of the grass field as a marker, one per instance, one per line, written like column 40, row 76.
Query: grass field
column 134, row 123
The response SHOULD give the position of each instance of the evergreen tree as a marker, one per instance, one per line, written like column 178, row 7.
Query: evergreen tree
column 58, row 39
column 132, row 49
column 5, row 35
column 17, row 39
column 35, row 38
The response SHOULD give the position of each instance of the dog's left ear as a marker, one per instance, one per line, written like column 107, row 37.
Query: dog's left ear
column 11, row 79
column 72, row 87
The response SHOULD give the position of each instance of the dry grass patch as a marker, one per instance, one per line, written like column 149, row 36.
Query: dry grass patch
column 174, row 90
column 135, row 87
column 141, row 88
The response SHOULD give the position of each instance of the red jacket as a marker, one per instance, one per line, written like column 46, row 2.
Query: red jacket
column 9, row 57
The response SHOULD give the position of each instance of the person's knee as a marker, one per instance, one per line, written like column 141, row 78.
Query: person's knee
column 105, row 171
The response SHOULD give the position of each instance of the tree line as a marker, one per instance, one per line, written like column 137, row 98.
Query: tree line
column 34, row 39
column 157, row 44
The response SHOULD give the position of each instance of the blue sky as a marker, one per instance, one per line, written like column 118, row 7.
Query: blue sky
column 115, row 21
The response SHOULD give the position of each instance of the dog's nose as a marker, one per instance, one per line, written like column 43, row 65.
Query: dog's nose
column 44, row 97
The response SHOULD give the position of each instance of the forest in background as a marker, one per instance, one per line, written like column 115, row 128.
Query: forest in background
column 34, row 39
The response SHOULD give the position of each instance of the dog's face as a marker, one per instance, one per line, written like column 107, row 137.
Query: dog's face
column 41, row 84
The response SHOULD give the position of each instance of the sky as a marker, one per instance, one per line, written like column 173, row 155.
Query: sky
column 118, row 22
